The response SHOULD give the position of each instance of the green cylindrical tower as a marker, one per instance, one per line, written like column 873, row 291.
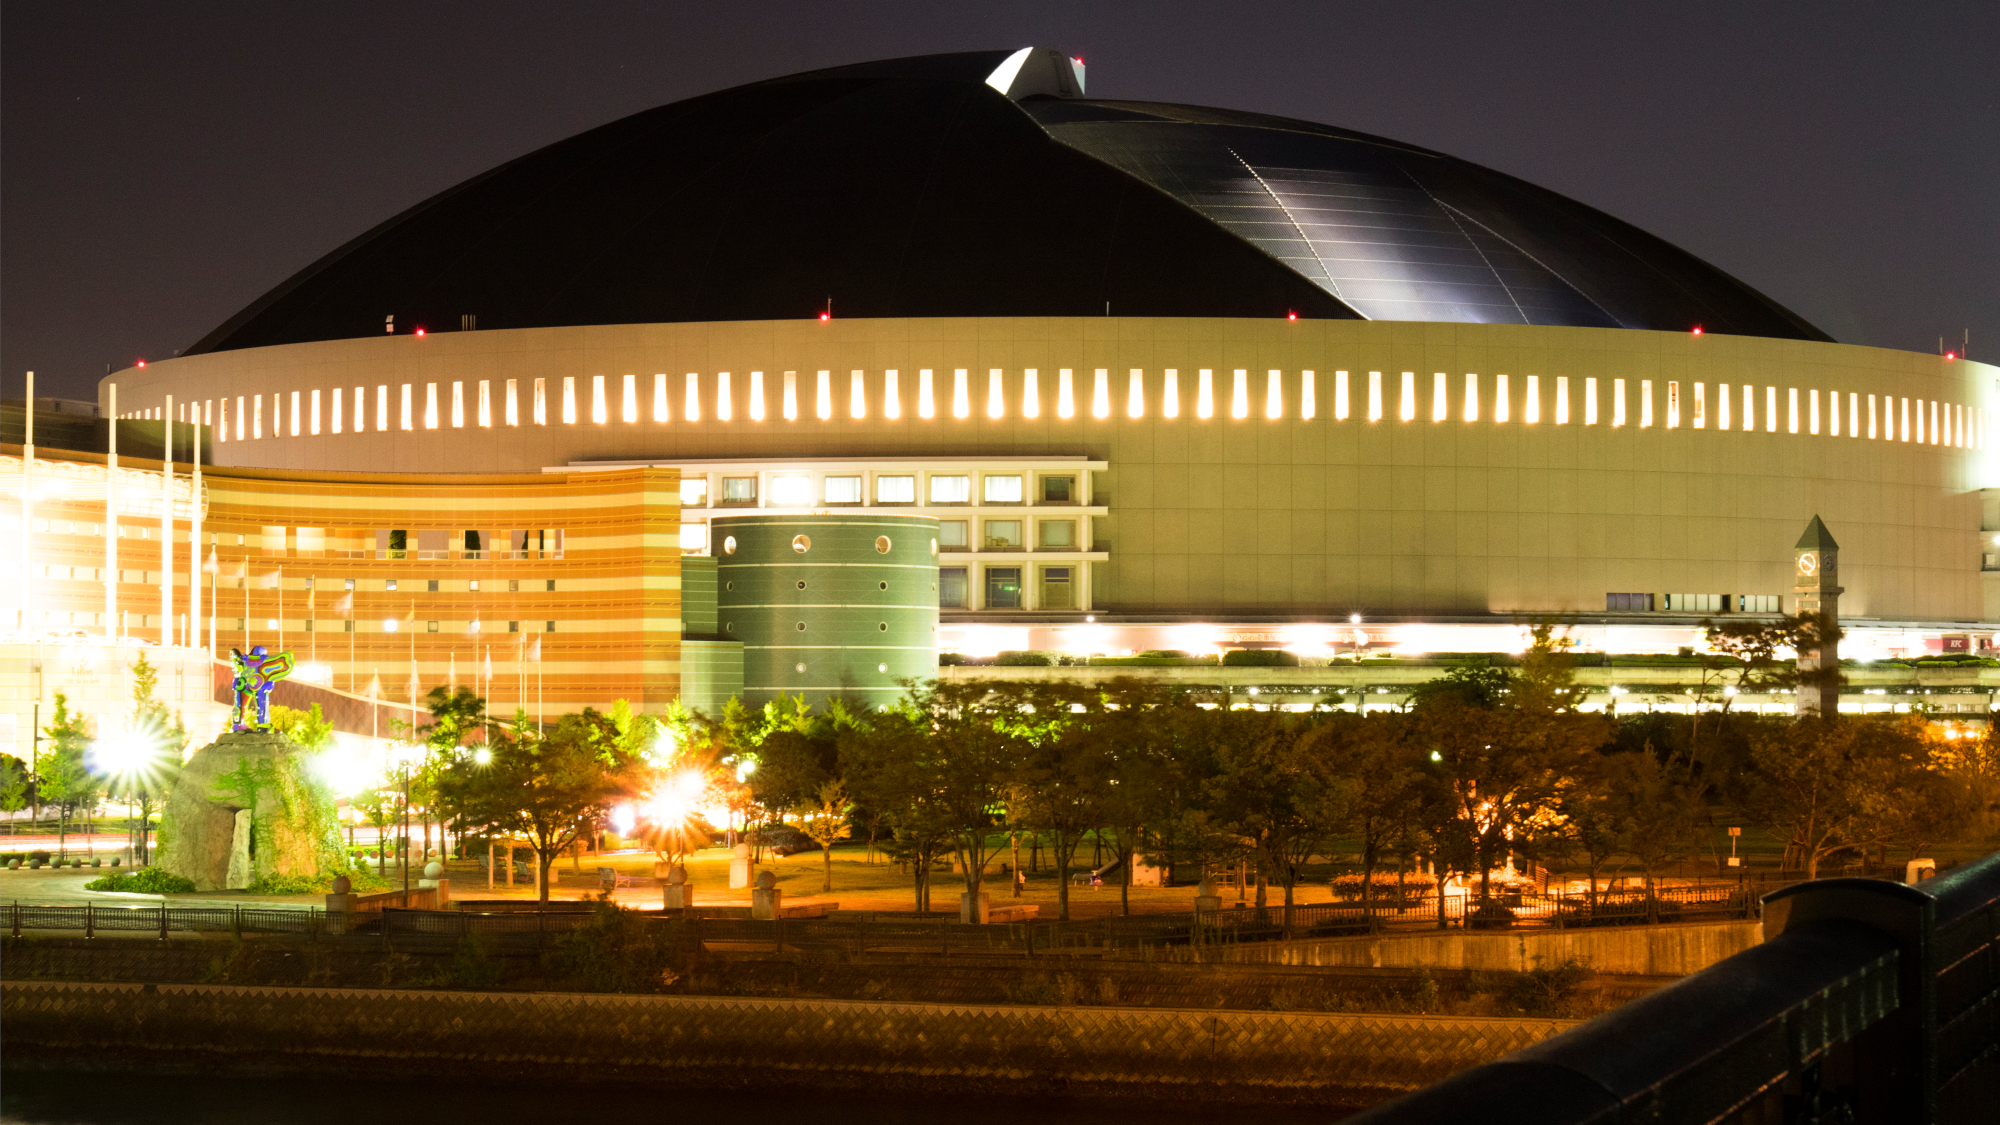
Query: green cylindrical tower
column 828, row 605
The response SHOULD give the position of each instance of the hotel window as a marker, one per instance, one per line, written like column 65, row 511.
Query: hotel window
column 694, row 492
column 1058, row 490
column 1001, row 489
column 1002, row 535
column 895, row 490
column 431, row 585
column 951, row 587
column 694, row 536
column 952, row 535
column 843, row 490
column 791, row 492
column 951, row 490
column 739, row 492
column 1628, row 603
column 474, row 544
column 1759, row 603
column 1003, row 587
column 1059, row 535
column 1058, row 592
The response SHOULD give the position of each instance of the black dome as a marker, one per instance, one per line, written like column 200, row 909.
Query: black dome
column 944, row 186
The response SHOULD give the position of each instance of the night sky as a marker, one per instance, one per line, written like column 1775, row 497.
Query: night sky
column 162, row 165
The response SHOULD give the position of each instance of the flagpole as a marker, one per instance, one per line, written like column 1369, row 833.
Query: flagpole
column 194, row 536
column 281, row 608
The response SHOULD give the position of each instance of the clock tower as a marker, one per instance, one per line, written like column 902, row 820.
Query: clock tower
column 1816, row 589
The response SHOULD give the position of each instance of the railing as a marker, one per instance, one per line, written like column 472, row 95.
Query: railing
column 1868, row 1001
column 391, row 911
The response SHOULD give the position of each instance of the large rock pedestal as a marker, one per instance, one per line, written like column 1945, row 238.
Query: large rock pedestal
column 201, row 838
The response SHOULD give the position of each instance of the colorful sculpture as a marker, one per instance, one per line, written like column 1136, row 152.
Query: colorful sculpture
column 256, row 675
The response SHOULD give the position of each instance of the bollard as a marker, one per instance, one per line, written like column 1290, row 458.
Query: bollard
column 163, row 920
column 89, row 920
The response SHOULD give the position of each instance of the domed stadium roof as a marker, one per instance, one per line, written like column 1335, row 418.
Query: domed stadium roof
column 987, row 184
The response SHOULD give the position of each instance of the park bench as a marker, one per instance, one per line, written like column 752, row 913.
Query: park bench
column 608, row 879
column 1024, row 912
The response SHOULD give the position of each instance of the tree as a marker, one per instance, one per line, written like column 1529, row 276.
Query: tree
column 546, row 788
column 1385, row 770
column 1590, row 824
column 1061, row 780
column 1659, row 815
column 380, row 805
column 919, row 763
column 1498, row 774
column 1924, row 786
column 824, row 820
column 161, row 739
column 67, row 780
column 1270, row 790
column 1807, row 781
column 14, row 783
column 456, row 716
column 1756, row 650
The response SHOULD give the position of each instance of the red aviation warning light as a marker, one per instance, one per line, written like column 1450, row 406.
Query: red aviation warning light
column 142, row 363
column 420, row 331
column 1291, row 316
column 1697, row 329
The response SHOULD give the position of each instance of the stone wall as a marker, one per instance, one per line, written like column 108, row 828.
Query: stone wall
column 1326, row 1059
column 1648, row 950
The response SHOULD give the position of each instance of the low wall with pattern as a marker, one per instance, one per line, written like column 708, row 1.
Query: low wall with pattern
column 1651, row 950
column 1327, row 1059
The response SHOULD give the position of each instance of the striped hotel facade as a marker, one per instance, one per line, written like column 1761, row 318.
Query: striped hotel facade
column 580, row 605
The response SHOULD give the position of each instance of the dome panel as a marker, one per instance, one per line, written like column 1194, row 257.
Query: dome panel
column 916, row 188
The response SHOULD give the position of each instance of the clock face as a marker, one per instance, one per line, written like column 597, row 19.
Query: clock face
column 1809, row 563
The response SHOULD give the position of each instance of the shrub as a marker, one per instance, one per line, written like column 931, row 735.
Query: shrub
column 1024, row 660
column 472, row 965
column 620, row 950
column 1259, row 658
column 39, row 855
column 150, row 880
column 275, row 884
column 1490, row 916
column 1547, row 990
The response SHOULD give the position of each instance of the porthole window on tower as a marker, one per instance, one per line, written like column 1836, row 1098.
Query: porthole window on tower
column 802, row 584
column 882, row 544
column 802, row 543
column 729, row 544
column 884, row 585
column 884, row 626
column 802, row 626
column 881, row 667
column 799, row 667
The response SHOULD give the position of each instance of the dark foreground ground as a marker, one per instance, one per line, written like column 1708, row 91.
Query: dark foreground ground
column 110, row 1097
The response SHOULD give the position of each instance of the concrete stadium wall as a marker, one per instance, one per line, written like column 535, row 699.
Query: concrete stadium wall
column 1328, row 1059
column 1257, row 515
column 1647, row 950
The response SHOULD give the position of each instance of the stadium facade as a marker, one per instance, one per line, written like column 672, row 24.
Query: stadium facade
column 1156, row 376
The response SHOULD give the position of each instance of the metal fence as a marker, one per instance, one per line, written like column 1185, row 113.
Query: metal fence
column 1868, row 1001
column 910, row 931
